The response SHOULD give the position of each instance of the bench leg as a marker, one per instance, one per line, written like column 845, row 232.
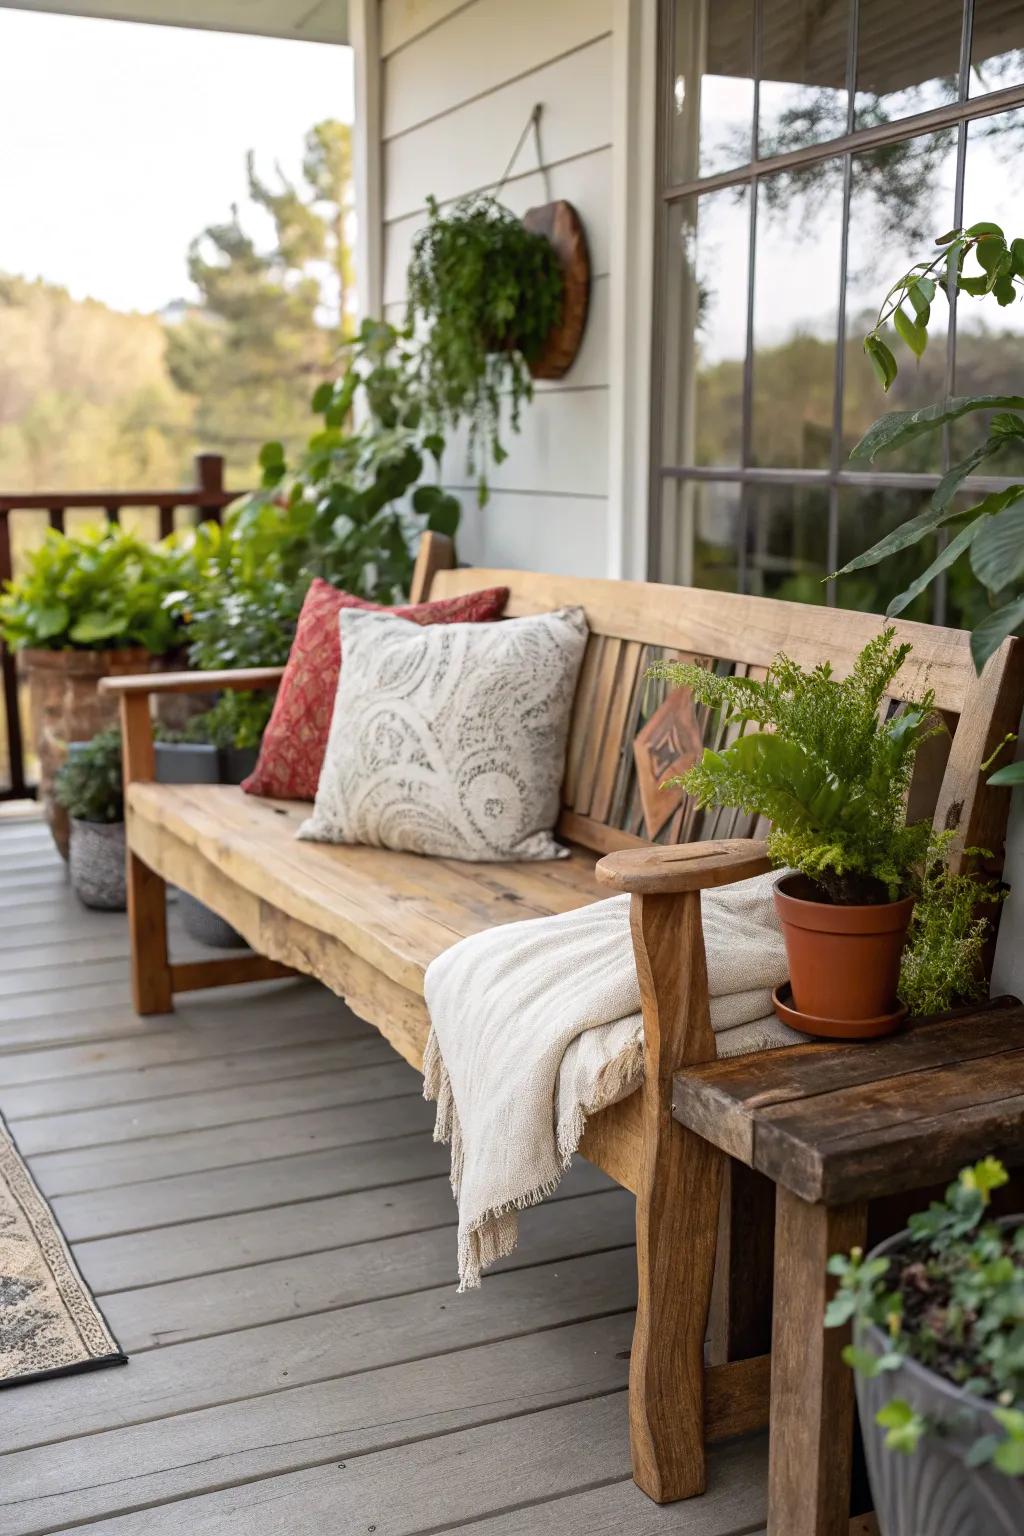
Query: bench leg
column 677, row 1207
column 741, row 1302
column 147, row 925
column 812, row 1403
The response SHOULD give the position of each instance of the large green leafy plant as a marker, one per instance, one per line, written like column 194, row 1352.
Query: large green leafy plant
column 88, row 783
column 100, row 590
column 983, row 263
column 351, row 506
column 829, row 768
column 488, row 292
column 952, row 1299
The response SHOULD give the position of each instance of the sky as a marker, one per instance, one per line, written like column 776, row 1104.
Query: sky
column 120, row 142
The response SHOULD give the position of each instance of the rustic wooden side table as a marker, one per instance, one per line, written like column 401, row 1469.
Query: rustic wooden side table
column 835, row 1127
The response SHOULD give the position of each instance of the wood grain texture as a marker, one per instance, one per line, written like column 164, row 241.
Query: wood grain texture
column 560, row 223
column 244, row 678
column 683, row 867
column 677, row 1206
column 811, row 1429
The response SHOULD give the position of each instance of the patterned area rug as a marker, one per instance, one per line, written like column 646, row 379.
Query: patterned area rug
column 50, row 1324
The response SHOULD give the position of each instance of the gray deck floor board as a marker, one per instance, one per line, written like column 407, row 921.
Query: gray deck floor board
column 251, row 1189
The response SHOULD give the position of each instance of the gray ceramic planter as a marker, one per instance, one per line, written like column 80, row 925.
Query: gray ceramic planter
column 932, row 1492
column 189, row 762
column 96, row 862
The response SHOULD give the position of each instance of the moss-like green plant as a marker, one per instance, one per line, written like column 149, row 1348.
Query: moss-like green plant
column 943, row 962
column 89, row 784
column 488, row 292
column 830, row 768
column 952, row 1299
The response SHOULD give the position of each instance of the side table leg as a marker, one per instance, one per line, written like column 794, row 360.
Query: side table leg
column 811, row 1429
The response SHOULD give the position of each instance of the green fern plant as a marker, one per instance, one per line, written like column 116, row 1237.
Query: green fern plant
column 829, row 768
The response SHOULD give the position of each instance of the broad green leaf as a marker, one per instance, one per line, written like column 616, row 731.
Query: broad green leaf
column 433, row 443
column 954, row 478
column 915, row 336
column 271, row 453
column 1009, row 1457
column 1009, row 776
column 1017, row 253
column 947, row 237
column 898, row 427
column 445, row 517
column 881, row 359
column 997, row 556
column 943, row 560
column 97, row 625
column 921, row 292
column 1004, row 290
column 322, row 397
column 984, row 227
column 990, row 251
column 991, row 632
column 925, row 287
column 915, row 528
column 51, row 619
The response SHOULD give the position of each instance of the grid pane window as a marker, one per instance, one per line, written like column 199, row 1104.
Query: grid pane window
column 812, row 150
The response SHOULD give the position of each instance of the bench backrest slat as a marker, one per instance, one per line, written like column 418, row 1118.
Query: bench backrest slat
column 609, row 773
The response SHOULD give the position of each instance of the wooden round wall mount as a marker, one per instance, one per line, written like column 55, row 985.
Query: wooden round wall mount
column 561, row 224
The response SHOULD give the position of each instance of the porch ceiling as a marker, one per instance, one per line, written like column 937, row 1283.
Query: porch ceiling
column 312, row 21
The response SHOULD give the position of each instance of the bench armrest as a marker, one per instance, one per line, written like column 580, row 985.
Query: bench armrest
column 243, row 678
column 683, row 867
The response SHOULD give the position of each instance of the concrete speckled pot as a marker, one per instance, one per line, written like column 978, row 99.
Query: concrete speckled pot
column 932, row 1491
column 96, row 861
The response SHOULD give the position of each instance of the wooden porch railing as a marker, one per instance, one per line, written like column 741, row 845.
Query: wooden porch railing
column 209, row 498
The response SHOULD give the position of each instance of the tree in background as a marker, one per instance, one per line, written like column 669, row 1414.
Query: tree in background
column 270, row 320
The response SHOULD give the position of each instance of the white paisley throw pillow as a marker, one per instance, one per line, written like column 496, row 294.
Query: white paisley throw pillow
column 450, row 740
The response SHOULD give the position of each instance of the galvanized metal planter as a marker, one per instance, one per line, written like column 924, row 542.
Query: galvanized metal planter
column 933, row 1492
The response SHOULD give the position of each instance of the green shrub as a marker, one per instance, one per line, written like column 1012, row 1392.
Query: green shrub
column 100, row 590
column 88, row 783
column 952, row 1299
column 943, row 962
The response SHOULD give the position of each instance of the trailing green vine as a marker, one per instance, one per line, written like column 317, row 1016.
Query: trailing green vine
column 487, row 293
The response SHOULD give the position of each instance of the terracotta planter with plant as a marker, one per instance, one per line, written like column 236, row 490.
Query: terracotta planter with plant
column 85, row 607
column 89, row 790
column 938, row 1312
column 829, row 767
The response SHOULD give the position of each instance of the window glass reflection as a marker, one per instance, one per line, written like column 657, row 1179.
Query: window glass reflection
column 701, row 534
column 908, row 59
column 864, row 518
column 802, row 98
column 712, row 99
column 786, row 532
column 705, row 324
column 997, row 46
column 796, row 299
column 901, row 197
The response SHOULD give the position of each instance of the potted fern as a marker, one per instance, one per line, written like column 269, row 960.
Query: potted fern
column 938, row 1315
column 830, row 768
column 89, row 788
column 487, row 292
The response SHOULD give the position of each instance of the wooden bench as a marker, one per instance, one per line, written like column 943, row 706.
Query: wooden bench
column 368, row 922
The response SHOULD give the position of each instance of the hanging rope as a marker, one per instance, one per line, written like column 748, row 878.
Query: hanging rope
column 532, row 122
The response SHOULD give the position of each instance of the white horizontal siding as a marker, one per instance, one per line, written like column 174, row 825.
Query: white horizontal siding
column 480, row 47
column 563, row 534
column 459, row 82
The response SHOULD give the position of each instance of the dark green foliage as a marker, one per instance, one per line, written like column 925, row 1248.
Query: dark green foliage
column 88, row 783
column 488, row 292
column 826, row 769
column 943, row 963
column 991, row 532
column 339, row 510
column 101, row 590
column 952, row 1299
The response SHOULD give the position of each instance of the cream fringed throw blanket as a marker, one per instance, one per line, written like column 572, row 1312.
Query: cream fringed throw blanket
column 536, row 1025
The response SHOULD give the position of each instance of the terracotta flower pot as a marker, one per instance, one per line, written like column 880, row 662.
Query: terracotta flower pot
column 844, row 962
column 65, row 705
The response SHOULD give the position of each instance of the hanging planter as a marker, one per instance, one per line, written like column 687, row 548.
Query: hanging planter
column 498, row 301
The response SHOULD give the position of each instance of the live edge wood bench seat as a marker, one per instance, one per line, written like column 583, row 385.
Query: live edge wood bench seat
column 368, row 922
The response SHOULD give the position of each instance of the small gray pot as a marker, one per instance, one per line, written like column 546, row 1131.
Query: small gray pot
column 96, row 861
column 932, row 1492
column 188, row 762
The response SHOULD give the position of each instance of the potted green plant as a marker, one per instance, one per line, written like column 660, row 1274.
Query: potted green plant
column 830, row 768
column 487, row 292
column 84, row 607
column 938, row 1315
column 89, row 788
column 982, row 262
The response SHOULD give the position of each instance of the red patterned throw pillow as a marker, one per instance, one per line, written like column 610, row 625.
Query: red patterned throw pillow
column 295, row 740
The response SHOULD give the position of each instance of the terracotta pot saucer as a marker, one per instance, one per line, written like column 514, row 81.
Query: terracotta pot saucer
column 834, row 1029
